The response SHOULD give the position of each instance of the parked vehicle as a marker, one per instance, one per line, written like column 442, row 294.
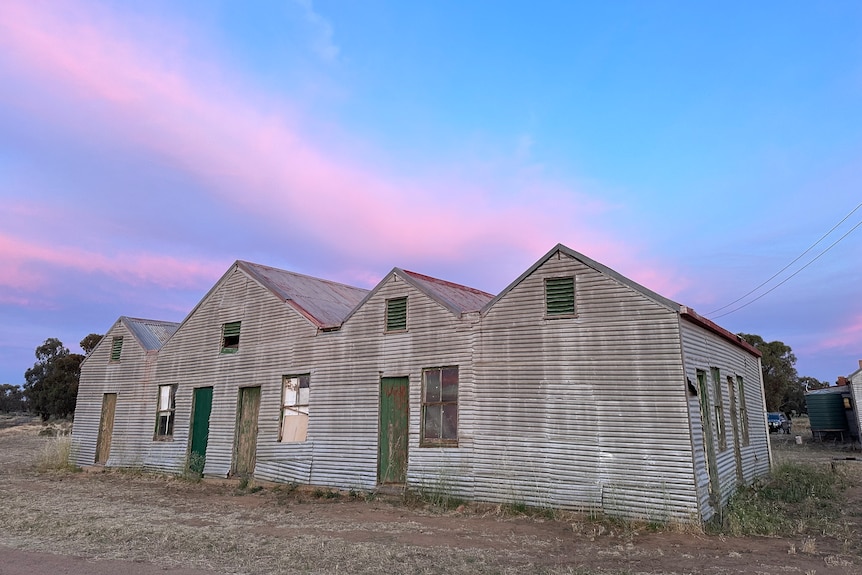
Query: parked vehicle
column 778, row 422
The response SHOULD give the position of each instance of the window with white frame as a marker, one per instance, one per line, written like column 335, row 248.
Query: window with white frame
column 294, row 407
column 165, row 413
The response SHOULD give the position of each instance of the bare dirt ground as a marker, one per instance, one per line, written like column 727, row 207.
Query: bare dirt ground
column 141, row 524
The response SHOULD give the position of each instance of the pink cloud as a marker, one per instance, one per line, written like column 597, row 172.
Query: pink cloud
column 847, row 336
column 25, row 267
column 251, row 153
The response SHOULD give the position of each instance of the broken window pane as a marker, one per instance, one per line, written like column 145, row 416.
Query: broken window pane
column 440, row 406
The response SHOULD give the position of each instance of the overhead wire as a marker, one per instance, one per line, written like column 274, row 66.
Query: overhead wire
column 799, row 257
column 785, row 280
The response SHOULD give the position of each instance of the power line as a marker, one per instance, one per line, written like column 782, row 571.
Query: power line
column 799, row 257
column 782, row 282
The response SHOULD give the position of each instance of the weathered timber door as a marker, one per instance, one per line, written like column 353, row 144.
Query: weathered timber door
column 202, row 402
column 106, row 427
column 734, row 424
column 392, row 456
column 245, row 447
column 708, row 441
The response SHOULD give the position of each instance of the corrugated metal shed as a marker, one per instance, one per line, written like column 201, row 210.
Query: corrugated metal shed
column 587, row 409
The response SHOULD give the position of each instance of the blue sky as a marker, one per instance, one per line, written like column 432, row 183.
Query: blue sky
column 696, row 149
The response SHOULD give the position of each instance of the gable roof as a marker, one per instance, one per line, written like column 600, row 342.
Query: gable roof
column 324, row 303
column 601, row 268
column 150, row 333
column 457, row 298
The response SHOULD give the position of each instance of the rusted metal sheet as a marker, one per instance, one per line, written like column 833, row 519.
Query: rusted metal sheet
column 323, row 302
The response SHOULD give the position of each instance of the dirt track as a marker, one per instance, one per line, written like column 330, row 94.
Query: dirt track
column 133, row 523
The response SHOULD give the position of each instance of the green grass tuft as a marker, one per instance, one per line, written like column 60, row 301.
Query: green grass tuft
column 796, row 499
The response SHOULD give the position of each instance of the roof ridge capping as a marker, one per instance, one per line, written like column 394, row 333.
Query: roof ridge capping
column 249, row 266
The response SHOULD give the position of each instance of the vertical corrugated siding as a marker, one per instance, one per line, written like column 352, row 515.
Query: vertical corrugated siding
column 856, row 393
column 585, row 412
column 704, row 350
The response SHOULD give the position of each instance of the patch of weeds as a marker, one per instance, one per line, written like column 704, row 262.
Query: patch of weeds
column 361, row 495
column 796, row 498
column 55, row 455
column 243, row 484
column 320, row 493
column 285, row 493
column 194, row 470
column 433, row 497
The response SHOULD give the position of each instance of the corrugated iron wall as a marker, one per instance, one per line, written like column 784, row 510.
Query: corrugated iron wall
column 130, row 378
column 704, row 350
column 351, row 367
column 270, row 345
column 587, row 412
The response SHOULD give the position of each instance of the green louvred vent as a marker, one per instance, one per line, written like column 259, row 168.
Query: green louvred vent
column 560, row 296
column 116, row 348
column 396, row 314
column 230, row 337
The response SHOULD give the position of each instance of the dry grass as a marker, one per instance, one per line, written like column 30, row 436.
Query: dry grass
column 288, row 529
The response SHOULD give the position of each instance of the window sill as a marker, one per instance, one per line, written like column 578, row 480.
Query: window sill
column 438, row 443
column 561, row 316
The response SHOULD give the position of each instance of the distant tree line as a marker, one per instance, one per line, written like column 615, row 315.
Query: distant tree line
column 51, row 385
column 783, row 386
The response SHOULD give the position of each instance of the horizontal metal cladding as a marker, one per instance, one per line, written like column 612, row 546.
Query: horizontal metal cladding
column 584, row 412
column 435, row 337
column 274, row 341
column 126, row 377
column 705, row 351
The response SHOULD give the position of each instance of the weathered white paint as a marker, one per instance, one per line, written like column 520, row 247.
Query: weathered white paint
column 588, row 412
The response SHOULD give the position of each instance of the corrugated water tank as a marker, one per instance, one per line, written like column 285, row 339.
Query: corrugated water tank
column 826, row 412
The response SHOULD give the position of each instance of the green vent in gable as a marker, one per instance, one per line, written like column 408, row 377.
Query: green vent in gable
column 230, row 337
column 116, row 348
column 396, row 314
column 560, row 296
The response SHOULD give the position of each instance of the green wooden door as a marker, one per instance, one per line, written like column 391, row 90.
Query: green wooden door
column 394, row 403
column 106, row 428
column 202, row 403
column 245, row 448
column 708, row 441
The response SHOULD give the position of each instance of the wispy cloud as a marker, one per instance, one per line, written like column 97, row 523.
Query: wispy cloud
column 29, row 266
column 253, row 155
column 324, row 42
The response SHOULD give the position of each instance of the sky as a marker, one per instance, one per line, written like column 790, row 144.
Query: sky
column 697, row 149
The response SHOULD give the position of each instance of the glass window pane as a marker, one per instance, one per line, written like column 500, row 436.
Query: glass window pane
column 450, row 384
column 289, row 396
column 432, row 422
column 450, row 422
column 432, row 385
column 164, row 398
column 303, row 396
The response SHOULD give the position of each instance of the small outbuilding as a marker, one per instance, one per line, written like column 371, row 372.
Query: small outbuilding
column 573, row 388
